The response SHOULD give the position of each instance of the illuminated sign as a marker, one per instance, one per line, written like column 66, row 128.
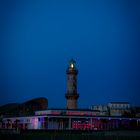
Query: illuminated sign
column 67, row 113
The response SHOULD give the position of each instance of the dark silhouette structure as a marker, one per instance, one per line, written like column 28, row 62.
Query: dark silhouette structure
column 24, row 109
column 72, row 95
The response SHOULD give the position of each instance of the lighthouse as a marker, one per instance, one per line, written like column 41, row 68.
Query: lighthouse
column 72, row 95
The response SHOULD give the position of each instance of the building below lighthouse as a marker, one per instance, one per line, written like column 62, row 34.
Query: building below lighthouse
column 72, row 95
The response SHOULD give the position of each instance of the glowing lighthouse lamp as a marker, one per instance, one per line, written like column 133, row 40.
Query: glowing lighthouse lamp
column 72, row 65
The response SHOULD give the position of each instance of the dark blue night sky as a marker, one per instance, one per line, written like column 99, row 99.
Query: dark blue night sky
column 39, row 37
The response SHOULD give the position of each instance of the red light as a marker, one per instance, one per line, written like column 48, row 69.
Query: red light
column 76, row 113
column 74, row 125
column 79, row 125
